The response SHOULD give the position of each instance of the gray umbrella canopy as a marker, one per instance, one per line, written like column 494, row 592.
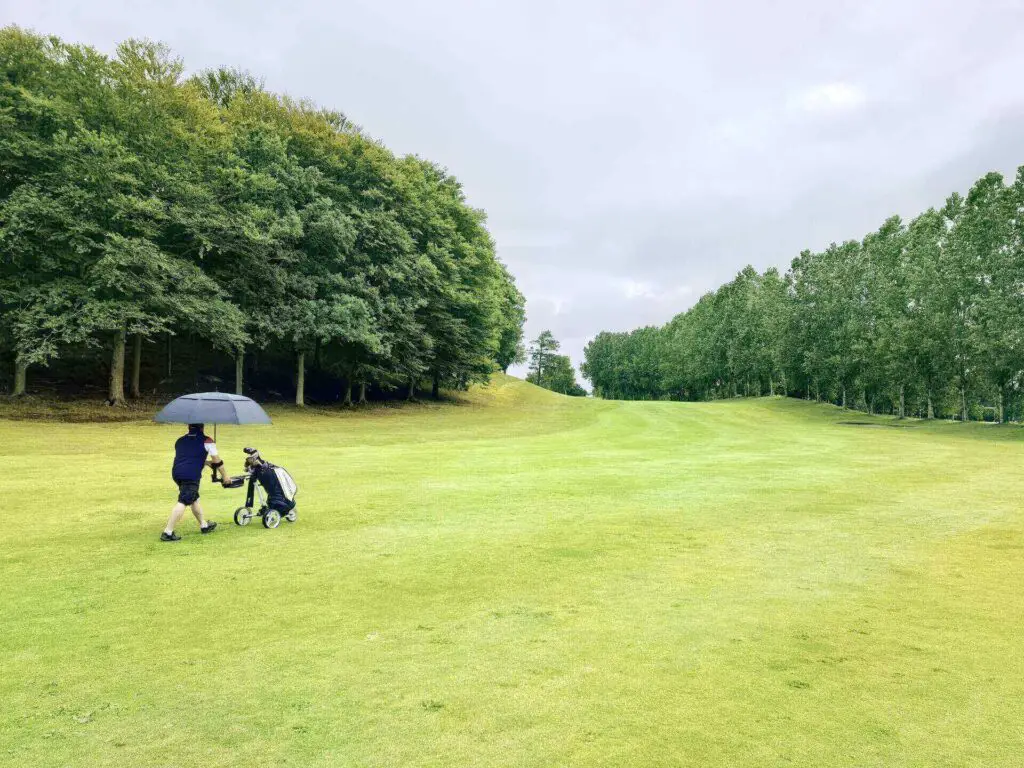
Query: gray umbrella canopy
column 213, row 408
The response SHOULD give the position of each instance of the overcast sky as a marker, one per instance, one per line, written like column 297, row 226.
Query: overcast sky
column 633, row 155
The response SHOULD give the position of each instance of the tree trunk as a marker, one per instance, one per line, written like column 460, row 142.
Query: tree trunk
column 348, row 393
column 903, row 401
column 412, row 389
column 239, row 371
column 20, row 376
column 1001, row 419
column 300, row 380
column 362, row 392
column 435, row 386
column 930, row 413
column 963, row 404
column 170, row 369
column 771, row 385
column 136, row 365
column 844, row 398
column 115, row 393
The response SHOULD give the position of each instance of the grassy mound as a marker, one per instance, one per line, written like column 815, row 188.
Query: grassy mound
column 503, row 391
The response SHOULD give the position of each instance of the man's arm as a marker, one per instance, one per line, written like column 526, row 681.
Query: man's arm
column 215, row 461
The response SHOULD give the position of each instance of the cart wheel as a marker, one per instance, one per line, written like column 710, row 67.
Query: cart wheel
column 292, row 516
column 271, row 518
column 243, row 515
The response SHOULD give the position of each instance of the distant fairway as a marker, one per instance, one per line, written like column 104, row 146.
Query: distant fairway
column 526, row 580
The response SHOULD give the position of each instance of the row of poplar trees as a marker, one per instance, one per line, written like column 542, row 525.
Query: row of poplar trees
column 923, row 318
column 139, row 206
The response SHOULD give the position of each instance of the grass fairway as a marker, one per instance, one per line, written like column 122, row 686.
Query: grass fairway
column 526, row 580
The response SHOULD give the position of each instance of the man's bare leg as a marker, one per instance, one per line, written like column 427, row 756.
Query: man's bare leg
column 197, row 510
column 175, row 518
column 204, row 525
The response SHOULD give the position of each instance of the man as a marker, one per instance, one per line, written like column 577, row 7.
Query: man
column 192, row 452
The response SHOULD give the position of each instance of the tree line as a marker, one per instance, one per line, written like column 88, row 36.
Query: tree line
column 551, row 370
column 143, row 211
column 923, row 318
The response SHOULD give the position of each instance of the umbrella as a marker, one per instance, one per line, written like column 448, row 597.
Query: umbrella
column 212, row 408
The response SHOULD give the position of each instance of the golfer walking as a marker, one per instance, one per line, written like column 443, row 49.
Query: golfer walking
column 192, row 452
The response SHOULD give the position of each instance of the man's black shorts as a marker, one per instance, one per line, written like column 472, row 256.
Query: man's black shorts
column 188, row 491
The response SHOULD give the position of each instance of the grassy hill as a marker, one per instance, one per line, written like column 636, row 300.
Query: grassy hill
column 522, row 579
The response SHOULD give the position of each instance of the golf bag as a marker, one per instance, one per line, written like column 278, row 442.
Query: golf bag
column 275, row 488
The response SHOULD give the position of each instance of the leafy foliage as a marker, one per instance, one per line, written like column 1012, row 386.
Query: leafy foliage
column 135, row 202
column 922, row 318
column 552, row 371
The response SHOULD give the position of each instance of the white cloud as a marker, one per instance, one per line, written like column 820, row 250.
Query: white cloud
column 642, row 289
column 536, row 240
column 830, row 97
column 558, row 304
column 677, row 292
column 634, row 289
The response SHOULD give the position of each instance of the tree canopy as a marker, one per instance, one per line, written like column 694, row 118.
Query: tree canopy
column 550, row 370
column 206, row 219
column 925, row 318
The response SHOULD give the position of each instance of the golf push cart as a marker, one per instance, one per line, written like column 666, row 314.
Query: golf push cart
column 275, row 488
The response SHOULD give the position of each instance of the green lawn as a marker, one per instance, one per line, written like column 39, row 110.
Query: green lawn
column 522, row 580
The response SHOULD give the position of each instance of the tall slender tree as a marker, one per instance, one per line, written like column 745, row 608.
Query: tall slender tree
column 541, row 350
